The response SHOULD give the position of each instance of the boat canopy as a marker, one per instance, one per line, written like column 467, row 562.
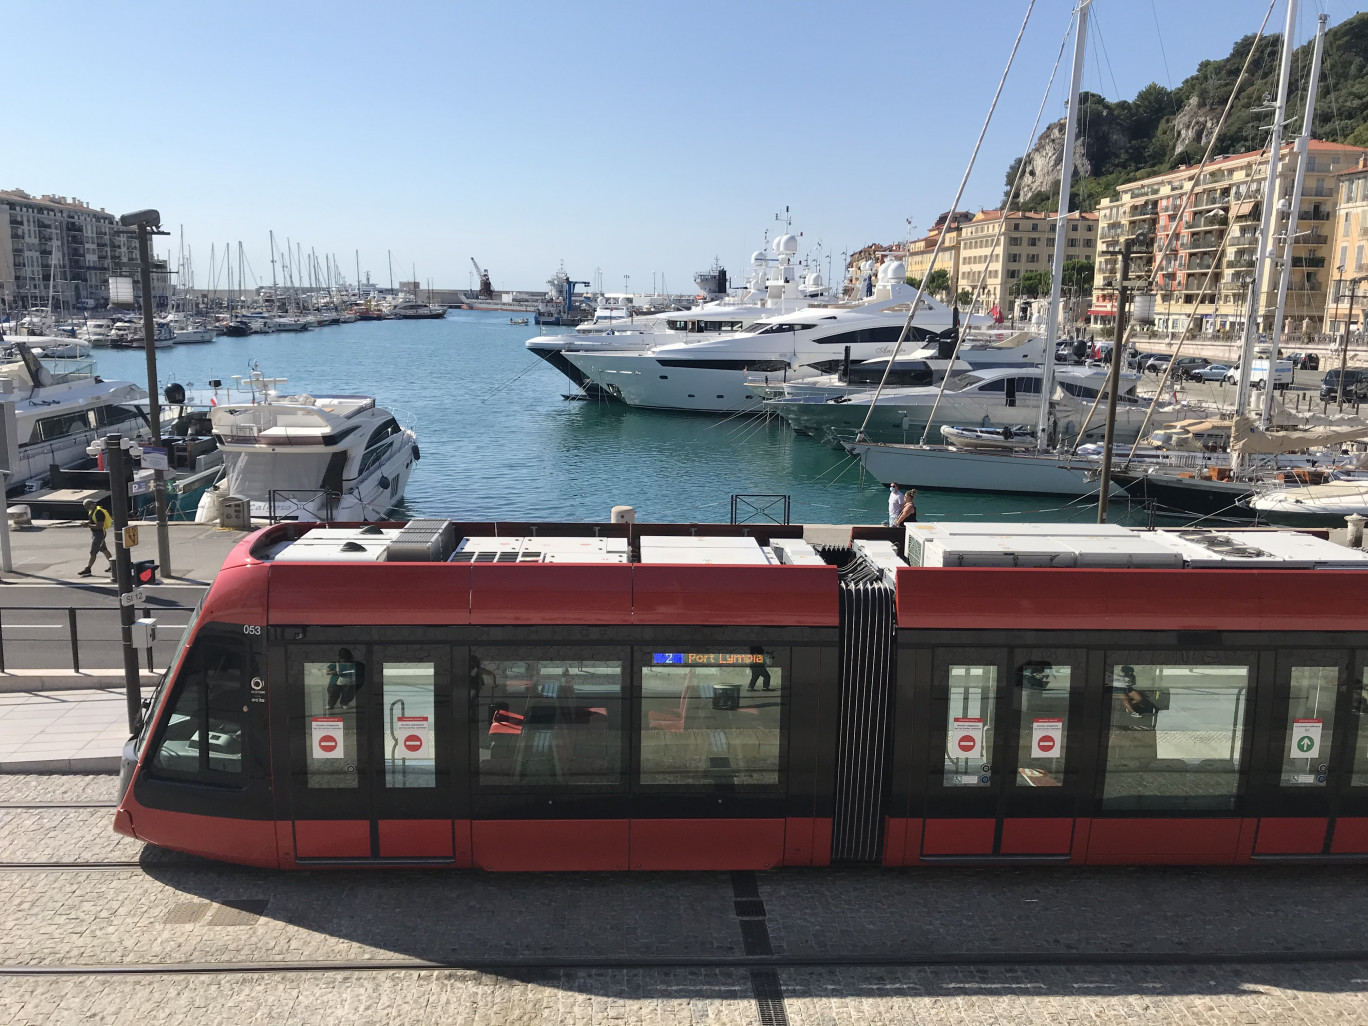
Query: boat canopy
column 1289, row 431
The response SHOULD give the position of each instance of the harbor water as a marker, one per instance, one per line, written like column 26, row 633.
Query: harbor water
column 498, row 441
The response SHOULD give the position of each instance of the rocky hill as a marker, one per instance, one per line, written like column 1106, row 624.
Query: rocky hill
column 1120, row 141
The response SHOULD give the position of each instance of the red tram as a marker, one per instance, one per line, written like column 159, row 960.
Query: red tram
column 589, row 697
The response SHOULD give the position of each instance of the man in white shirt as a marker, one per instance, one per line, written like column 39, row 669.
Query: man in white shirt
column 895, row 503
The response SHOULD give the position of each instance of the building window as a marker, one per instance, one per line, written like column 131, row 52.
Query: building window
column 1073, row 227
column 1012, row 274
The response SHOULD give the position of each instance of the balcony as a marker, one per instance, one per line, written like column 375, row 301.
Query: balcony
column 1308, row 261
column 1314, row 215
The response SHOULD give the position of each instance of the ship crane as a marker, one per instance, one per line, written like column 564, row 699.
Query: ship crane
column 486, row 289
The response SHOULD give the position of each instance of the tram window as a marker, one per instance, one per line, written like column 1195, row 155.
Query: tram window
column 1360, row 709
column 1044, row 697
column 969, row 725
column 554, row 720
column 207, row 703
column 410, row 719
column 712, row 719
column 171, row 665
column 1310, row 724
column 1176, row 734
column 331, row 691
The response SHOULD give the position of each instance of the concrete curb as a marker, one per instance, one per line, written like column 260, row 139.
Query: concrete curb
column 65, row 680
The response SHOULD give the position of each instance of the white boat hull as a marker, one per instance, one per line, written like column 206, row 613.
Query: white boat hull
column 940, row 467
column 643, row 382
column 195, row 335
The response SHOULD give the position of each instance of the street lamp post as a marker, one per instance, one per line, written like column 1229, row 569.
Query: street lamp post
column 147, row 222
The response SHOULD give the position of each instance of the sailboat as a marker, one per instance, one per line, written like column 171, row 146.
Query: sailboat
column 1006, row 470
column 1255, row 460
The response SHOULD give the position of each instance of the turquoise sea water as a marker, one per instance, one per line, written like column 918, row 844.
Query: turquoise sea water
column 499, row 442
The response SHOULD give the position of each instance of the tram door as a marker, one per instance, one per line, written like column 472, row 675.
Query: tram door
column 1004, row 751
column 371, row 750
column 1314, row 798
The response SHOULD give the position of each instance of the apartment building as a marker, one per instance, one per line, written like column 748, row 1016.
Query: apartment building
column 1201, row 257
column 66, row 249
column 1349, row 267
column 997, row 248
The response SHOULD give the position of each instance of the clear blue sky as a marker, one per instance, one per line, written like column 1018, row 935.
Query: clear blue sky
column 635, row 138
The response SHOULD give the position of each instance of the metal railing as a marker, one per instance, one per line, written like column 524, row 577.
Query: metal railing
column 72, row 615
column 302, row 504
column 747, row 509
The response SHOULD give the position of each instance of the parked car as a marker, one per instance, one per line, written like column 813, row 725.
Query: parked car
column 1211, row 372
column 1157, row 364
column 1355, row 385
column 1305, row 361
column 1185, row 367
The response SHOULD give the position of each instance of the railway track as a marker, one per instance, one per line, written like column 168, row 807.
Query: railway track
column 711, row 961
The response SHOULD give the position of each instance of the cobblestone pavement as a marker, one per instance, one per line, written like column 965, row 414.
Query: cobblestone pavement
column 166, row 912
column 87, row 787
column 1224, row 996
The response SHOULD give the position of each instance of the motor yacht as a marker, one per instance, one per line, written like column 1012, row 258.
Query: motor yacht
column 61, row 406
column 412, row 310
column 719, row 374
column 304, row 457
column 990, row 397
column 774, row 286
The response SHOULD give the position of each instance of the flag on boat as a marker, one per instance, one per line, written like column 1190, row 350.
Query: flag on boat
column 996, row 314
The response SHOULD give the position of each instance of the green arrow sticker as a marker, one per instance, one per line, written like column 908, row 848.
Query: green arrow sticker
column 1305, row 743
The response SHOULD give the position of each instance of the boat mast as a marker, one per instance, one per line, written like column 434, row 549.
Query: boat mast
column 1301, row 148
column 1261, row 252
column 273, row 276
column 1061, row 230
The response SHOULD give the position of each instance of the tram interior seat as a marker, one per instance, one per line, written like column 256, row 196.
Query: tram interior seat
column 672, row 720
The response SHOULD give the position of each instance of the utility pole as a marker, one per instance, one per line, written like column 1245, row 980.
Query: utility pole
column 147, row 223
column 1114, row 378
column 1353, row 284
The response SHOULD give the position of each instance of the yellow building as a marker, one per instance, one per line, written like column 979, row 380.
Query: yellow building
column 1205, row 252
column 1026, row 244
column 1349, row 270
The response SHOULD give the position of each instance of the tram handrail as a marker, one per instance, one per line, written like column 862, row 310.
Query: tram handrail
column 73, row 633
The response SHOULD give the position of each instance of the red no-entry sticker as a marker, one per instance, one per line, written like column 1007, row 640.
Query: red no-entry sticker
column 1046, row 743
column 413, row 743
column 967, row 742
column 328, row 743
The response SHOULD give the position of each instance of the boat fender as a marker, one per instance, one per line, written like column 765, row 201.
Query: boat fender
column 384, row 482
column 416, row 457
column 1007, row 434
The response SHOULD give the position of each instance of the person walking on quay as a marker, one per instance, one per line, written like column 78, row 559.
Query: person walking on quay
column 895, row 503
column 908, row 513
column 99, row 521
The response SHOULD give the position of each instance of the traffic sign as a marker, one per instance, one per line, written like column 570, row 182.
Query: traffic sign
column 327, row 737
column 967, row 737
column 130, row 537
column 154, row 457
column 413, row 735
column 1306, row 739
column 1047, row 737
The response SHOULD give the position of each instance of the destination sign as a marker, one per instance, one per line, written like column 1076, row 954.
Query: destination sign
column 707, row 658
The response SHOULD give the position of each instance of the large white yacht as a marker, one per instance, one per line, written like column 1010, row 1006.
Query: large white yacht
column 721, row 374
column 303, row 457
column 1001, row 397
column 61, row 406
column 773, row 286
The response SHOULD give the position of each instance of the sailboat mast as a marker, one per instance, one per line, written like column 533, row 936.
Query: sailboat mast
column 1251, row 331
column 1061, row 228
column 1301, row 148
